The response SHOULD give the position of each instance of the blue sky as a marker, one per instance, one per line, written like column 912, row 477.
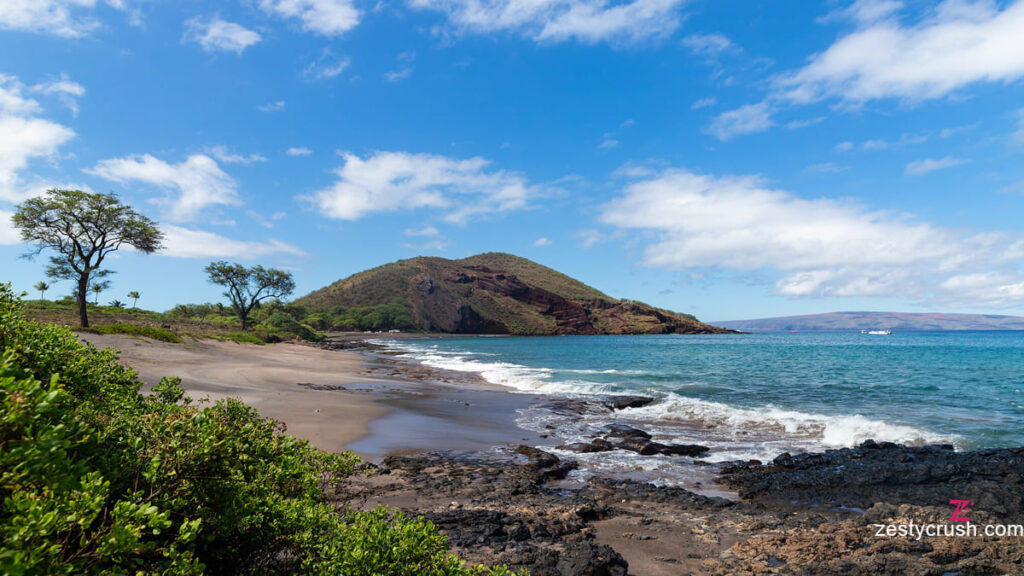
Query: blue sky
column 729, row 159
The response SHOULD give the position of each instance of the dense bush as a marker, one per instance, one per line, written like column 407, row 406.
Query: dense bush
column 384, row 317
column 97, row 478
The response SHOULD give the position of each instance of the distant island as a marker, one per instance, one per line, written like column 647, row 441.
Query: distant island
column 497, row 293
column 878, row 321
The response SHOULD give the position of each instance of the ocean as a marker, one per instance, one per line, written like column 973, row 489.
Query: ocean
column 755, row 396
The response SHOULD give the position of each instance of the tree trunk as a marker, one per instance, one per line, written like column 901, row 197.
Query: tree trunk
column 244, row 321
column 83, row 287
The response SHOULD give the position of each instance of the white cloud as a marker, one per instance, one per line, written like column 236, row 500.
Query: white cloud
column 298, row 151
column 224, row 155
column 927, row 165
column 743, row 120
column 586, row 21
column 904, row 140
column 216, row 34
column 541, row 242
column 66, row 18
column 271, row 106
column 23, row 137
column 323, row 17
column 608, row 143
column 703, row 103
column 392, row 181
column 64, row 89
column 844, row 146
column 198, row 181
column 826, row 168
column 182, row 242
column 425, row 231
column 398, row 75
column 326, row 66
column 819, row 247
column 709, row 45
column 9, row 235
column 958, row 43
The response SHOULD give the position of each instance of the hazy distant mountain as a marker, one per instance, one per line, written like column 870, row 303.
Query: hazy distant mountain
column 497, row 293
column 878, row 321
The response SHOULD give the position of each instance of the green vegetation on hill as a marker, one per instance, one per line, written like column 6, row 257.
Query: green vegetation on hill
column 487, row 293
column 96, row 478
column 274, row 321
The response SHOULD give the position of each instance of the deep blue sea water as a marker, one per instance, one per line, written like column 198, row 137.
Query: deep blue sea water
column 757, row 395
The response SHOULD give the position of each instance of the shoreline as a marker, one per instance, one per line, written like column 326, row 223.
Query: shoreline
column 520, row 506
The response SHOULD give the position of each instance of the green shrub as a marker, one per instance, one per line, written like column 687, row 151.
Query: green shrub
column 146, row 331
column 240, row 337
column 96, row 478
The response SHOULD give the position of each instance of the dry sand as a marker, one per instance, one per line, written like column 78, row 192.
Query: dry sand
column 336, row 399
column 267, row 377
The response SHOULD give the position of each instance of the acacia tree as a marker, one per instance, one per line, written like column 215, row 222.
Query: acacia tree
column 247, row 287
column 83, row 228
column 42, row 286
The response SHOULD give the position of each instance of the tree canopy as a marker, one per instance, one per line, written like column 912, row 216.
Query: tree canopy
column 247, row 287
column 83, row 228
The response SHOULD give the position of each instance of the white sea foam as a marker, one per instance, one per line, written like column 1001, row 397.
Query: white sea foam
column 735, row 433
column 823, row 429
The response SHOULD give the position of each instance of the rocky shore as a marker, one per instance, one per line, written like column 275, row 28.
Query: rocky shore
column 804, row 514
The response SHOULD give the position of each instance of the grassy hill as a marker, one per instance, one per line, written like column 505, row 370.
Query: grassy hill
column 495, row 293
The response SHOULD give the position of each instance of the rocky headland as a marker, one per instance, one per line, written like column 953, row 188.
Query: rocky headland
column 799, row 514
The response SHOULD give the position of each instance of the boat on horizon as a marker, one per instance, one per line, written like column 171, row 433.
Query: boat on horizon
column 877, row 332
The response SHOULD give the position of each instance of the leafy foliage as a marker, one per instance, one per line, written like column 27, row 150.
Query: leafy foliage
column 247, row 287
column 83, row 228
column 96, row 478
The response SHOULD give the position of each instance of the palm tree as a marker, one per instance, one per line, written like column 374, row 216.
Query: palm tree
column 116, row 304
column 96, row 289
column 134, row 295
column 42, row 287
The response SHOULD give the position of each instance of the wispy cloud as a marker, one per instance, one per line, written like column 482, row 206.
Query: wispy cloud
column 180, row 242
column 952, row 46
column 586, row 21
column 298, row 151
column 703, row 103
column 24, row 137
column 541, row 242
column 818, row 247
column 66, row 18
column 228, row 157
column 919, row 167
column 272, row 106
column 197, row 182
column 747, row 119
column 708, row 45
column 955, row 45
column 214, row 35
column 326, row 66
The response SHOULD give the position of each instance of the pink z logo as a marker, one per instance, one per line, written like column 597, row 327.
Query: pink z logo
column 960, row 512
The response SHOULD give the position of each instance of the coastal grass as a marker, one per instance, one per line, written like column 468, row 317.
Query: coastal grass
column 97, row 478
column 151, row 332
column 239, row 337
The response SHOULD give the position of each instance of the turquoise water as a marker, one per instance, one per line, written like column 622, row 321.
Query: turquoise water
column 757, row 395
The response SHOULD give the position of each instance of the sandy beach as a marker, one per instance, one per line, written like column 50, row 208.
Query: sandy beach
column 336, row 399
column 449, row 450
